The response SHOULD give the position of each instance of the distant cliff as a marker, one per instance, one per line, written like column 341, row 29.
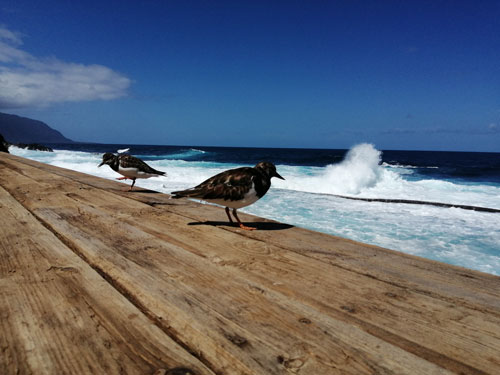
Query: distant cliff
column 17, row 129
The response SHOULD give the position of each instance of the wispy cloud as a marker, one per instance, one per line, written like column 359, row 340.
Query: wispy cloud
column 30, row 81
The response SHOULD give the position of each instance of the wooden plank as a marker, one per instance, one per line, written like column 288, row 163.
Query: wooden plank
column 57, row 315
column 260, row 303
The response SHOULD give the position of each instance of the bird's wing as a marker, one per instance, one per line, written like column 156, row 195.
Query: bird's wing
column 229, row 185
column 133, row 162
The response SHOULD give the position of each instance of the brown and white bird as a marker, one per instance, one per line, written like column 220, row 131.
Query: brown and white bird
column 129, row 167
column 234, row 188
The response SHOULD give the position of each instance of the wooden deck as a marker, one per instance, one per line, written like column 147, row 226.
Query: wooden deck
column 95, row 280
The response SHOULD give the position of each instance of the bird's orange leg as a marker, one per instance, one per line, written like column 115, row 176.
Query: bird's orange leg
column 242, row 226
column 122, row 178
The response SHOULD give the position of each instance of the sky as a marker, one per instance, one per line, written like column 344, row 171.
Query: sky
column 404, row 75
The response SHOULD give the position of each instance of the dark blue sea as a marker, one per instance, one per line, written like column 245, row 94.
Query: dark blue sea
column 317, row 182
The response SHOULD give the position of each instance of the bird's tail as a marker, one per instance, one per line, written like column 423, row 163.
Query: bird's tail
column 189, row 193
column 155, row 171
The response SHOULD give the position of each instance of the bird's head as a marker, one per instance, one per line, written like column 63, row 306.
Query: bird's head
column 268, row 169
column 108, row 158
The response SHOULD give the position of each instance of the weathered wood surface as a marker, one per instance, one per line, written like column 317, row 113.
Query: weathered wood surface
column 97, row 280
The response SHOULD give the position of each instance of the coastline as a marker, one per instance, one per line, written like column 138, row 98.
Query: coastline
column 174, row 286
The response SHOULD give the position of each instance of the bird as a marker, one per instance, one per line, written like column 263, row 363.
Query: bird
column 129, row 167
column 234, row 188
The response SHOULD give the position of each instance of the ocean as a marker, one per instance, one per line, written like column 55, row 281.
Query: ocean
column 319, row 182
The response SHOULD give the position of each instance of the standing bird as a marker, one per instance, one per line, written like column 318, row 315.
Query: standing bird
column 130, row 167
column 234, row 188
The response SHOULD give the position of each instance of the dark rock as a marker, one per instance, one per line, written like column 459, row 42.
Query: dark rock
column 34, row 147
column 4, row 146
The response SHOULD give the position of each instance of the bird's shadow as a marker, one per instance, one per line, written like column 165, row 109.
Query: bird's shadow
column 144, row 191
column 259, row 225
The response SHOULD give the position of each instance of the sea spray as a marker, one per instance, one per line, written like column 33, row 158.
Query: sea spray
column 359, row 171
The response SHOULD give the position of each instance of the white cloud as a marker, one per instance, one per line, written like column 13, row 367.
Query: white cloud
column 29, row 81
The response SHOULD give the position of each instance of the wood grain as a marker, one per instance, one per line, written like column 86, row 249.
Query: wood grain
column 59, row 316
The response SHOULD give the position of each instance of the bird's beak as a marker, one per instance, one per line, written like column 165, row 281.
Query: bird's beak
column 100, row 165
column 278, row 175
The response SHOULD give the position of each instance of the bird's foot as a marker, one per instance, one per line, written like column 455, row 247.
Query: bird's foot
column 242, row 226
column 122, row 178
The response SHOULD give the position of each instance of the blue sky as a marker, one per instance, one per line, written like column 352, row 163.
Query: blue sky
column 421, row 75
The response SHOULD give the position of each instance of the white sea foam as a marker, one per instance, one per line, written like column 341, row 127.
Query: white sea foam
column 198, row 151
column 455, row 236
